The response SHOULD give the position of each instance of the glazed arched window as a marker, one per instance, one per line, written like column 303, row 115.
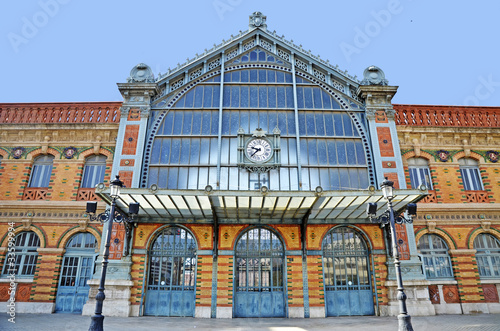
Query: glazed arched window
column 437, row 262
column 471, row 177
column 23, row 261
column 93, row 172
column 42, row 169
column 487, row 255
column 419, row 173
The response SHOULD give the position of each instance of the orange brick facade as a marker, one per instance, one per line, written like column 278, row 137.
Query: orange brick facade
column 449, row 211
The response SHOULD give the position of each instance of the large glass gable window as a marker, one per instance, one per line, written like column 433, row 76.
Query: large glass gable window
column 437, row 262
column 93, row 173
column 186, row 152
column 23, row 261
column 469, row 169
column 42, row 169
column 419, row 173
column 487, row 255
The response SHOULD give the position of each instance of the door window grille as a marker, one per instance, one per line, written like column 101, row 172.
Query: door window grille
column 487, row 255
column 419, row 173
column 471, row 177
column 93, row 173
column 23, row 262
column 437, row 262
column 42, row 169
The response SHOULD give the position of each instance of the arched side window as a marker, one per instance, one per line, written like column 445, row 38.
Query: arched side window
column 487, row 255
column 437, row 262
column 471, row 177
column 93, row 172
column 23, row 261
column 42, row 169
column 419, row 173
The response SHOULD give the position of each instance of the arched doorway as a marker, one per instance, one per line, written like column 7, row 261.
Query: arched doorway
column 77, row 269
column 346, row 272
column 259, row 278
column 172, row 274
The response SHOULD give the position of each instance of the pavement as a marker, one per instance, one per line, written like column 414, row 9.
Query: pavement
column 69, row 322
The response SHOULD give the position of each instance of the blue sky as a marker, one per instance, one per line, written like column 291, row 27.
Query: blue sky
column 437, row 52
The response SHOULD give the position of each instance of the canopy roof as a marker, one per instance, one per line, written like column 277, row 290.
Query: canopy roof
column 254, row 207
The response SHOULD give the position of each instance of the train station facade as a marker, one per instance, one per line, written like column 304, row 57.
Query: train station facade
column 253, row 164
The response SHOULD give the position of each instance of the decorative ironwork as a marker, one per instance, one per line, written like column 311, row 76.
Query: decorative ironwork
column 214, row 64
column 300, row 64
column 319, row 74
column 195, row 74
column 119, row 217
column 266, row 45
column 175, row 85
column 231, row 54
column 284, row 55
column 389, row 219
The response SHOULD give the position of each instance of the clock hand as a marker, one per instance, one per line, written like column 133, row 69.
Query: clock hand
column 257, row 150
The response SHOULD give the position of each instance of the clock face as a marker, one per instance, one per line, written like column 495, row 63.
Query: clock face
column 259, row 150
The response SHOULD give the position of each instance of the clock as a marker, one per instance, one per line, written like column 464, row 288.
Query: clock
column 259, row 150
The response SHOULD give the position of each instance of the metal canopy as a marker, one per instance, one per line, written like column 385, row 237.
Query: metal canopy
column 292, row 207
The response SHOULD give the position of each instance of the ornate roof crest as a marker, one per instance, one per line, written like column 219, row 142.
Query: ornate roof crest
column 258, row 133
column 257, row 19
column 141, row 73
column 373, row 75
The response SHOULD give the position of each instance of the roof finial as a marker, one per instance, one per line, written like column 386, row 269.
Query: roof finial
column 257, row 20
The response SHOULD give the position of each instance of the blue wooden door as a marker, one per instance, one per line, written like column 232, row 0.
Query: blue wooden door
column 259, row 283
column 172, row 274
column 346, row 272
column 77, row 269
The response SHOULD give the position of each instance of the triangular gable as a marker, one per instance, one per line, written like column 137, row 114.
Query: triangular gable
column 258, row 38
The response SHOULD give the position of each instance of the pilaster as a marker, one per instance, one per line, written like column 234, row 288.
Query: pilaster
column 387, row 158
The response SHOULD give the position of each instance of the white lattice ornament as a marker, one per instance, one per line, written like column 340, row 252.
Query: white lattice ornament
column 214, row 64
column 178, row 83
column 195, row 74
column 301, row 64
column 319, row 74
column 249, row 45
column 232, row 54
column 338, row 86
column 266, row 45
column 284, row 55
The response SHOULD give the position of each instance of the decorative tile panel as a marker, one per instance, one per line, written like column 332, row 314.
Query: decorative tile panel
column 385, row 142
column 490, row 293
column 450, row 294
column 130, row 139
column 434, row 294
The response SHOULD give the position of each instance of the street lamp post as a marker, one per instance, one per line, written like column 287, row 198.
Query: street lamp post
column 108, row 217
column 388, row 218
